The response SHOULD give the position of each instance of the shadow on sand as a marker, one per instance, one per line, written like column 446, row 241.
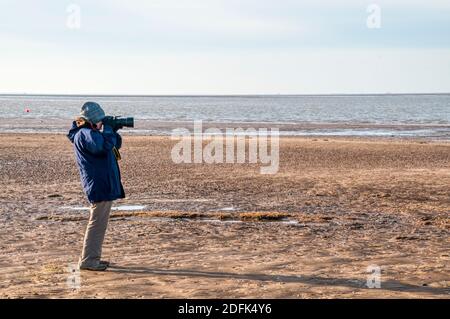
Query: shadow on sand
column 390, row 285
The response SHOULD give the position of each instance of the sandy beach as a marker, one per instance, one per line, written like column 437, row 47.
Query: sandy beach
column 336, row 207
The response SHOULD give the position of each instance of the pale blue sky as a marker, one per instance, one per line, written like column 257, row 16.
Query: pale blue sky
column 224, row 47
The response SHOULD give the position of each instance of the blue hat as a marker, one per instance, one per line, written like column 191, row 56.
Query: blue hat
column 92, row 112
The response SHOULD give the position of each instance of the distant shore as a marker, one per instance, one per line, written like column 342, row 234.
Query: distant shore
column 217, row 95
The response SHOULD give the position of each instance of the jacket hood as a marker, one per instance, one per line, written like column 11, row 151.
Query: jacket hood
column 73, row 130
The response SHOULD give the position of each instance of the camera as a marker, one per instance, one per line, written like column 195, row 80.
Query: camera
column 117, row 122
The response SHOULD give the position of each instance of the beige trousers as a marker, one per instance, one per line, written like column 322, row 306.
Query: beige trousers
column 95, row 233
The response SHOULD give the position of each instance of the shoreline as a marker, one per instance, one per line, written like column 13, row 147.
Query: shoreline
column 406, row 131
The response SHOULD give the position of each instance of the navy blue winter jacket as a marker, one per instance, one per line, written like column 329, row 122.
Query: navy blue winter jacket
column 98, row 167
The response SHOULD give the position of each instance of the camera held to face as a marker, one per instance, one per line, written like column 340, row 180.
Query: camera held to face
column 117, row 122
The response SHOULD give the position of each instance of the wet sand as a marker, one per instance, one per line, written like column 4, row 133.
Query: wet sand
column 164, row 128
column 350, row 203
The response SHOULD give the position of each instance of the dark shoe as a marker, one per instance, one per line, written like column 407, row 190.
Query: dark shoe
column 105, row 262
column 99, row 267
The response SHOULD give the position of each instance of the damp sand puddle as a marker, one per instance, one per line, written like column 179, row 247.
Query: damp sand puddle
column 226, row 215
column 220, row 221
column 117, row 208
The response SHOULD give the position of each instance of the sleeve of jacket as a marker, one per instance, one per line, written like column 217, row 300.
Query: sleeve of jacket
column 100, row 143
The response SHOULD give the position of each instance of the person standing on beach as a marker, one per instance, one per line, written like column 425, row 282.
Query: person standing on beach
column 95, row 152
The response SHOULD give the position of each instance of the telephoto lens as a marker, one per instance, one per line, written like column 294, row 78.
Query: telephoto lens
column 117, row 122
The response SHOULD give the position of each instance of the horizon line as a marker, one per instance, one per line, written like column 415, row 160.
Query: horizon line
column 221, row 95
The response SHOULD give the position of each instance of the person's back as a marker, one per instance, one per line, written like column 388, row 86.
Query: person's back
column 98, row 167
column 100, row 177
